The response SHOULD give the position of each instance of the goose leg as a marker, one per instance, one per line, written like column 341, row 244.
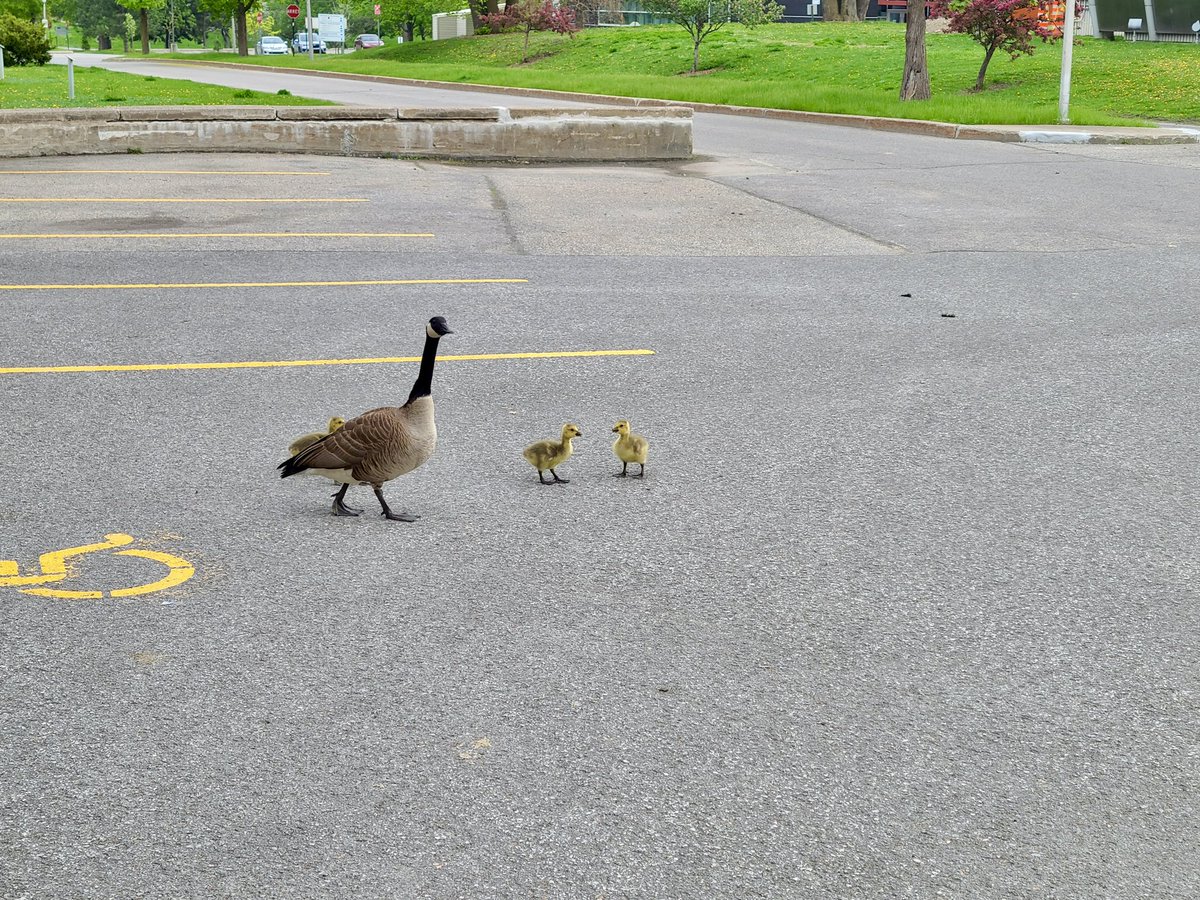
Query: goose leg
column 387, row 511
column 339, row 507
column 559, row 480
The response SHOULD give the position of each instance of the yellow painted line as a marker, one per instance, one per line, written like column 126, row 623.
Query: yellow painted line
column 64, row 594
column 291, row 363
column 258, row 284
column 180, row 571
column 55, row 562
column 156, row 172
column 226, row 234
column 184, row 200
column 55, row 567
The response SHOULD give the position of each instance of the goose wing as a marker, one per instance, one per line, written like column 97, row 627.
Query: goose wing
column 347, row 447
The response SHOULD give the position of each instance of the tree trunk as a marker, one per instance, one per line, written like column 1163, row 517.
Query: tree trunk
column 103, row 42
column 915, row 85
column 239, row 28
column 987, row 58
column 408, row 31
column 144, row 27
column 695, row 55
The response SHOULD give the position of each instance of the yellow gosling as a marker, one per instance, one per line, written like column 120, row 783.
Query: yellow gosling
column 546, row 455
column 630, row 448
column 308, row 439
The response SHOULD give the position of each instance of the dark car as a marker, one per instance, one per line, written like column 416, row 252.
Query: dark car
column 367, row 41
column 300, row 43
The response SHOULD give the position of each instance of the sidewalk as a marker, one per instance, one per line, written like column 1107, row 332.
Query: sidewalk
column 1032, row 134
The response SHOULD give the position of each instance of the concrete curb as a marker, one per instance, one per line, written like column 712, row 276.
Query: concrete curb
column 1029, row 134
column 491, row 133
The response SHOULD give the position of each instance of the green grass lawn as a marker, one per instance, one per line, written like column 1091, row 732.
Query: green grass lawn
column 46, row 87
column 832, row 67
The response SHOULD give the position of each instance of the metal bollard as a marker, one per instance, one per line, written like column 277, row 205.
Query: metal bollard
column 70, row 78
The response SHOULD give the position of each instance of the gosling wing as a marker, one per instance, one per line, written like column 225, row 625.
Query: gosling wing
column 349, row 445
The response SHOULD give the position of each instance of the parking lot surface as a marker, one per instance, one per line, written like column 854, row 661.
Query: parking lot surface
column 905, row 605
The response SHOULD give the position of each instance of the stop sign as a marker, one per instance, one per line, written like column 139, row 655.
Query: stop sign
column 293, row 11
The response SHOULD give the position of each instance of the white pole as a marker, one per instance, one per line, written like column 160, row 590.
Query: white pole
column 308, row 25
column 1064, row 84
column 1, row 62
column 70, row 78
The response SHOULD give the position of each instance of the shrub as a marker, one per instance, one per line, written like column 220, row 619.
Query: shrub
column 24, row 42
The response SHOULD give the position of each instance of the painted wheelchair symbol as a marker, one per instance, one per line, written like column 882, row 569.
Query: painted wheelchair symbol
column 56, row 567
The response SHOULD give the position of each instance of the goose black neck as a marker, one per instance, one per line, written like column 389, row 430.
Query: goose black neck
column 423, row 386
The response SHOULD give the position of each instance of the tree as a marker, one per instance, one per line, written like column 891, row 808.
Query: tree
column 700, row 18
column 518, row 17
column 142, row 9
column 402, row 16
column 224, row 10
column 24, row 42
column 103, row 18
column 25, row 10
column 1008, row 25
column 914, row 85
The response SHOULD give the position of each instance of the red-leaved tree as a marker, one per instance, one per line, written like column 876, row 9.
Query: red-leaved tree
column 519, row 17
column 1008, row 25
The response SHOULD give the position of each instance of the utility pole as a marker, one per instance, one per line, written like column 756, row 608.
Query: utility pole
column 308, row 25
column 1064, row 83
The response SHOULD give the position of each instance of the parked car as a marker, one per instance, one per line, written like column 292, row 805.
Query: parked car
column 271, row 46
column 300, row 43
column 367, row 41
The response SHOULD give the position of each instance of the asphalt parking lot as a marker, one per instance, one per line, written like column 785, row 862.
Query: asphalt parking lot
column 903, row 607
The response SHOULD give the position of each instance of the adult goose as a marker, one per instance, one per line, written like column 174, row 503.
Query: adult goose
column 381, row 444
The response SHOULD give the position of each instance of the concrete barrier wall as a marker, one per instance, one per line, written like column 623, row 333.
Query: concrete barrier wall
column 607, row 134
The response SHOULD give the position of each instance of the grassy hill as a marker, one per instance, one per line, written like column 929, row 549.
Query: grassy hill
column 824, row 66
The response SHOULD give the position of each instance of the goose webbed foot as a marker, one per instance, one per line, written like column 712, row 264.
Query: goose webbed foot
column 542, row 477
column 621, row 474
column 387, row 510
column 339, row 506
column 641, row 472
column 558, row 480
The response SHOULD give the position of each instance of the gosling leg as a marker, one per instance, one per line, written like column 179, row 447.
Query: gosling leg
column 339, row 507
column 387, row 512
column 624, row 466
column 642, row 472
column 542, row 478
column 558, row 480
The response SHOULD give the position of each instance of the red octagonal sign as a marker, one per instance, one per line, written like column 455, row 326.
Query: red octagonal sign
column 293, row 11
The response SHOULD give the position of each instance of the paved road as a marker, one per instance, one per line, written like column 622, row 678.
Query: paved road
column 905, row 607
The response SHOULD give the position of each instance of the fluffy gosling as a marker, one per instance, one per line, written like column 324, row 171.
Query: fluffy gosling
column 546, row 455
column 306, row 439
column 630, row 448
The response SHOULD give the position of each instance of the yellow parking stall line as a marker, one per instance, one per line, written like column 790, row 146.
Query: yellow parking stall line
column 184, row 200
column 292, row 363
column 158, row 172
column 224, row 234
column 257, row 284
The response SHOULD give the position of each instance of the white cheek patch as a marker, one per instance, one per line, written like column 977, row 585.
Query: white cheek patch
column 429, row 331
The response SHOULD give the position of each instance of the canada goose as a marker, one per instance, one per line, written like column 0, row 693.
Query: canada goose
column 545, row 455
column 311, row 438
column 630, row 448
column 380, row 444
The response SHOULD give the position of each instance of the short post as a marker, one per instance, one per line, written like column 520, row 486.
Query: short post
column 1, row 62
column 70, row 78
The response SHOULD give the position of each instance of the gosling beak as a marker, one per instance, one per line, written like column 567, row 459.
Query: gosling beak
column 614, row 431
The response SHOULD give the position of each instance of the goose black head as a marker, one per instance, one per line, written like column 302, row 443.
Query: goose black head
column 437, row 327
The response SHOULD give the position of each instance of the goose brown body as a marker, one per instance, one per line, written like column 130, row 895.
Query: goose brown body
column 375, row 447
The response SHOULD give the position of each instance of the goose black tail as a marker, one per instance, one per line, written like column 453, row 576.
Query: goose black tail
column 289, row 467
